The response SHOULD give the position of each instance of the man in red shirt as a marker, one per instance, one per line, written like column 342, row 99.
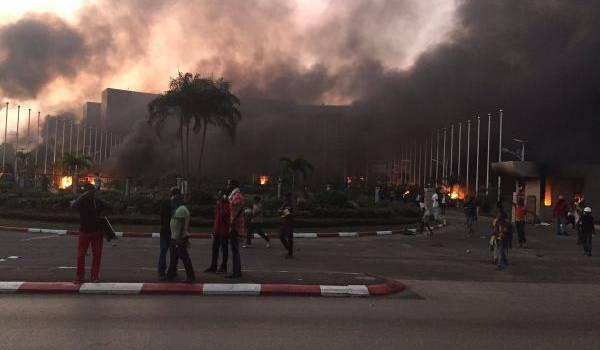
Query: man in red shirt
column 89, row 232
column 221, row 229
column 560, row 213
column 520, row 219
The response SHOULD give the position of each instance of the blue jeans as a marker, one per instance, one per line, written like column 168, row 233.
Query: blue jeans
column 561, row 225
column 500, row 247
column 165, row 246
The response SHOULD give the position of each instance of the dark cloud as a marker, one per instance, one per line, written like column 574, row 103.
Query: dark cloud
column 37, row 49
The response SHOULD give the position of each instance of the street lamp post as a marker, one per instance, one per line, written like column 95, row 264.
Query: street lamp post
column 46, row 148
column 459, row 146
column 444, row 157
column 437, row 156
column 451, row 149
column 37, row 143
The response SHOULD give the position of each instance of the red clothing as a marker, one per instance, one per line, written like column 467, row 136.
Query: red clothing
column 560, row 209
column 520, row 213
column 222, row 224
column 237, row 207
column 85, row 239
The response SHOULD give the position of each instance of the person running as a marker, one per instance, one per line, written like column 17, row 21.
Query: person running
column 256, row 224
column 236, row 199
column 180, row 240
column 587, row 229
column 499, row 242
column 425, row 217
column 89, row 232
column 221, row 230
column 560, row 214
column 166, row 211
column 470, row 208
column 520, row 220
column 286, row 232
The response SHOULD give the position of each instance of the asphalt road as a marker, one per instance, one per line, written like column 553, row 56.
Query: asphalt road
column 547, row 299
column 433, row 315
column 448, row 256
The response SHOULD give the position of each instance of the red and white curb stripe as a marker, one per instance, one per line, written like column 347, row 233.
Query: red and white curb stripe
column 389, row 287
column 208, row 235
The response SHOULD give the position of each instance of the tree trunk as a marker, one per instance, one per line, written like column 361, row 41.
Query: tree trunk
column 202, row 148
column 181, row 144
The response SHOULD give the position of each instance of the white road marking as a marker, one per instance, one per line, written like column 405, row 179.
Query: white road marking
column 37, row 238
column 383, row 233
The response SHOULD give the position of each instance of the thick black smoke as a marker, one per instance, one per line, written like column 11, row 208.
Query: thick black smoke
column 35, row 50
column 535, row 59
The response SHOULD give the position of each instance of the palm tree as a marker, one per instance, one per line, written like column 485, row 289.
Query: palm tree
column 295, row 166
column 74, row 164
column 204, row 101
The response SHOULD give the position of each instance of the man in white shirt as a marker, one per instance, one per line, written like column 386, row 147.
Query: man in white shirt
column 435, row 204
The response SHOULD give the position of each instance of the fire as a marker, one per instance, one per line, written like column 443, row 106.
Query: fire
column 263, row 180
column 455, row 192
column 65, row 182
column 548, row 193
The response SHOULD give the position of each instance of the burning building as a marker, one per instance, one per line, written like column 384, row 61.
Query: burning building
column 540, row 184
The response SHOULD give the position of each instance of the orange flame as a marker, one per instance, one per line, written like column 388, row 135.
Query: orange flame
column 65, row 182
column 263, row 180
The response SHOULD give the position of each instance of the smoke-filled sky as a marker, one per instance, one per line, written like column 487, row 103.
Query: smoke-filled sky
column 403, row 64
column 56, row 54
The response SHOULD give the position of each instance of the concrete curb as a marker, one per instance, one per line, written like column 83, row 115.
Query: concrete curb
column 208, row 235
column 389, row 287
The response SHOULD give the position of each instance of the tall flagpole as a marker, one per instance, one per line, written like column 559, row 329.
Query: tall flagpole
column 71, row 138
column 55, row 145
column 437, row 158
column 477, row 162
column 444, row 157
column 431, row 158
column 62, row 146
column 28, row 124
column 451, row 149
column 46, row 122
column 77, row 143
column 420, row 159
column 37, row 143
column 5, row 141
column 468, row 152
column 95, row 145
column 459, row 146
column 17, row 146
column 500, row 157
column 487, row 176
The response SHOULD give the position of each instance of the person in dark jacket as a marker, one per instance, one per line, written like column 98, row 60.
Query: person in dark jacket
column 286, row 233
column 166, row 211
column 90, row 232
column 587, row 230
column 221, row 230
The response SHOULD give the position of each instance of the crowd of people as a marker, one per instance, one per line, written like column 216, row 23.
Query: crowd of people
column 501, row 236
column 232, row 221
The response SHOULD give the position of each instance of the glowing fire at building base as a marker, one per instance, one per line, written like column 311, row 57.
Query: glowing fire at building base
column 65, row 182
